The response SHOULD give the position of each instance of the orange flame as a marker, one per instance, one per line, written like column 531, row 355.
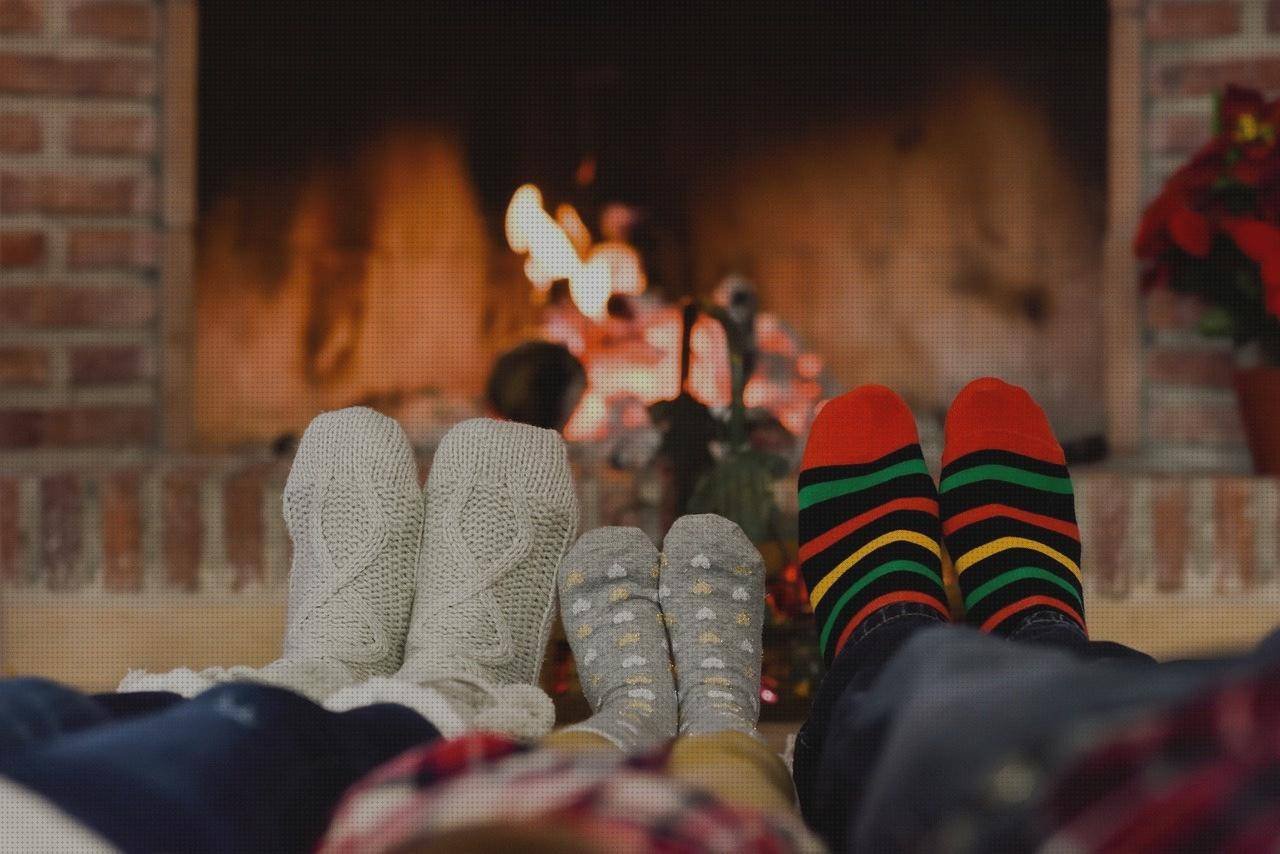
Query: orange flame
column 560, row 248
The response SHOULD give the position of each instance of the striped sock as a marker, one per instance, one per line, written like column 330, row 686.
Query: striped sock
column 868, row 516
column 1008, row 512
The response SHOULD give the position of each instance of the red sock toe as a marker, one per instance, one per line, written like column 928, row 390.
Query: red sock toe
column 860, row 426
column 991, row 414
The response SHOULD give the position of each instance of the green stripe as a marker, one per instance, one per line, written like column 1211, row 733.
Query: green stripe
column 1022, row 573
column 859, row 585
column 1009, row 474
column 818, row 492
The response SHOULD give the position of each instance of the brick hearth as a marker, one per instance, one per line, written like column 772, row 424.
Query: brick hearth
column 212, row 525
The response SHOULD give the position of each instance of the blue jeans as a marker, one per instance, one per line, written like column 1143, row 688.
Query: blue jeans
column 931, row 736
column 242, row 767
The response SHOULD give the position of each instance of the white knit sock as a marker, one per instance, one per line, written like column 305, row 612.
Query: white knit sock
column 500, row 514
column 354, row 512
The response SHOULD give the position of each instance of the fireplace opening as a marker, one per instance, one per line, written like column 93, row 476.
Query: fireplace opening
column 912, row 191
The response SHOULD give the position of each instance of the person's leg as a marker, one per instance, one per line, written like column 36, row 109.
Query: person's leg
column 500, row 511
column 740, row 770
column 34, row 710
column 354, row 514
column 242, row 767
column 871, row 556
column 609, row 605
column 1008, row 517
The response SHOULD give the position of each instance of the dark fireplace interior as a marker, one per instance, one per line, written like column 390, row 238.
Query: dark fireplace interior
column 869, row 167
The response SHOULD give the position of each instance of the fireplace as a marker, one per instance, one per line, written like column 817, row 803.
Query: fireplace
column 917, row 200
column 219, row 218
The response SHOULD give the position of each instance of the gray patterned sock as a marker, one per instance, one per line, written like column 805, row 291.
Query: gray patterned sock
column 609, row 605
column 712, row 592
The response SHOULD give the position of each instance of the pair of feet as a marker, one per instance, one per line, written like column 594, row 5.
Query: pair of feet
column 875, row 531
column 439, row 597
column 666, row 643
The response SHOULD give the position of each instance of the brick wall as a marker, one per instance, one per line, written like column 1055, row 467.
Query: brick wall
column 79, row 108
column 1193, row 49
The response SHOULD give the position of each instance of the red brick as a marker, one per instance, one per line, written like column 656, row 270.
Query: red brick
column 72, row 194
column 93, row 426
column 23, row 366
column 1208, row 77
column 1179, row 134
column 1236, row 534
column 114, row 248
column 245, row 534
column 1178, row 20
column 126, row 135
column 115, row 20
column 61, row 531
column 104, row 364
column 183, row 528
column 11, row 568
column 1195, row 423
column 21, row 249
column 1190, row 367
column 55, row 307
column 32, row 74
column 1169, row 532
column 1109, row 502
column 20, row 133
column 20, row 16
column 122, row 532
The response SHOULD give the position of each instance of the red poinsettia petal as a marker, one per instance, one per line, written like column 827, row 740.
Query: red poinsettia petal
column 1259, row 240
column 1191, row 232
column 1271, row 284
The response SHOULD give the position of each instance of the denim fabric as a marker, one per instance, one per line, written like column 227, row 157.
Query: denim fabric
column 242, row 767
column 35, row 710
column 934, row 737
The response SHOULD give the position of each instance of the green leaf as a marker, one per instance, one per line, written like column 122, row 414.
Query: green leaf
column 1217, row 322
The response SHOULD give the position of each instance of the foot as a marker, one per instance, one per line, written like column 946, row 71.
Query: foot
column 869, row 533
column 500, row 513
column 712, row 593
column 609, row 606
column 1008, row 514
column 353, row 510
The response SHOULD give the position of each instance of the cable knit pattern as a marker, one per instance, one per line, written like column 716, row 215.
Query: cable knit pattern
column 500, row 513
column 354, row 513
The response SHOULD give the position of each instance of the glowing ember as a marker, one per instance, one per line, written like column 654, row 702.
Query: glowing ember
column 633, row 360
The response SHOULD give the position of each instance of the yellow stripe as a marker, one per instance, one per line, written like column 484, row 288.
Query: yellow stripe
column 1006, row 543
column 815, row 595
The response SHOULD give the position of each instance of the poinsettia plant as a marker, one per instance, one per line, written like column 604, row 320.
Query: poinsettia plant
column 1214, row 230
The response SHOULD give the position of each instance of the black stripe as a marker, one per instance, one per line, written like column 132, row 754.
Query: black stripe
column 964, row 498
column 993, row 456
column 1015, row 592
column 906, row 520
column 893, row 551
column 985, row 570
column 825, row 515
column 890, row 583
column 972, row 536
column 822, row 474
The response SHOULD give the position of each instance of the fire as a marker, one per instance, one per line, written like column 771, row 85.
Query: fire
column 560, row 248
column 633, row 359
